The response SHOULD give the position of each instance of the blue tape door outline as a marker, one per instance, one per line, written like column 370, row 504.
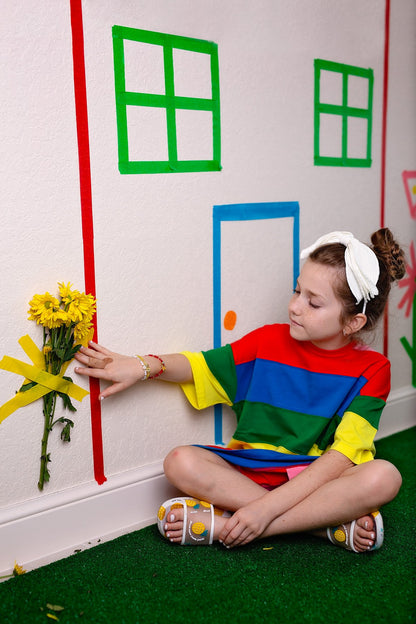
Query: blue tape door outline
column 245, row 212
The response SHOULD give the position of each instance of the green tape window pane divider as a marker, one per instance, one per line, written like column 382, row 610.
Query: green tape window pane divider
column 168, row 101
column 345, row 112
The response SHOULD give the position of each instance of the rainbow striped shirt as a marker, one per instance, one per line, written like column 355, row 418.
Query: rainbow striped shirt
column 292, row 397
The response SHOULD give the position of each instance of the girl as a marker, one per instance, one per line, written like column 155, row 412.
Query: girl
column 308, row 398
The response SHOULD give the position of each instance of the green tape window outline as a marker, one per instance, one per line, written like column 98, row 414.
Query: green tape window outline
column 169, row 101
column 344, row 111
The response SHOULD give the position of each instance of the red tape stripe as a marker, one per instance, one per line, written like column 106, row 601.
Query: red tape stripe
column 81, row 112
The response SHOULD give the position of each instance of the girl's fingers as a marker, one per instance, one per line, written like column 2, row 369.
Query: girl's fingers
column 98, row 373
column 94, row 362
column 113, row 389
column 92, row 358
column 225, row 535
column 85, row 353
column 94, row 350
column 91, row 352
column 99, row 348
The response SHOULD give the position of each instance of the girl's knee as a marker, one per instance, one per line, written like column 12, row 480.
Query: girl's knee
column 386, row 478
column 177, row 460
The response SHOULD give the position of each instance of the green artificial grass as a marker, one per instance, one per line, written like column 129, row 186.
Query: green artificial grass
column 141, row 578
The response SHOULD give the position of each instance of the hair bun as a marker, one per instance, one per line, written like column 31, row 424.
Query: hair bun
column 389, row 253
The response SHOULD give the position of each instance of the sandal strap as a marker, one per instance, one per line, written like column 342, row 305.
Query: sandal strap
column 198, row 523
column 341, row 535
column 198, row 519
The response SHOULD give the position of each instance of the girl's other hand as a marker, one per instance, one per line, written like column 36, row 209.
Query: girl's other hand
column 245, row 525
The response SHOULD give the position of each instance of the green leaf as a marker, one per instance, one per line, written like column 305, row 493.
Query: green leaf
column 66, row 431
column 27, row 386
column 75, row 350
column 56, row 608
column 60, row 353
column 67, row 402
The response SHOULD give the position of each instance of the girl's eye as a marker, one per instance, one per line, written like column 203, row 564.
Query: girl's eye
column 314, row 306
column 296, row 291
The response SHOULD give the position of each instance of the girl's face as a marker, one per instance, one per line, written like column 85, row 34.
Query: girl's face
column 314, row 310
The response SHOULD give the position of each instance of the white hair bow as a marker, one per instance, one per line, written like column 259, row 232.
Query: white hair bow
column 361, row 264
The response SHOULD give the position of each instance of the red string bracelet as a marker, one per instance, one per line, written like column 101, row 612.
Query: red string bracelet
column 162, row 367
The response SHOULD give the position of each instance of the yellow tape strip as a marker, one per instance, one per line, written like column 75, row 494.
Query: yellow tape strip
column 52, row 382
column 32, row 351
column 46, row 382
column 21, row 399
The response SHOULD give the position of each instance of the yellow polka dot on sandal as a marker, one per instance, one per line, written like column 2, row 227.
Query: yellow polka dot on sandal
column 339, row 535
column 205, row 504
column 176, row 506
column 198, row 528
column 161, row 513
column 190, row 502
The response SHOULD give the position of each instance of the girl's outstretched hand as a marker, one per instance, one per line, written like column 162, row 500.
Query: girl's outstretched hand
column 122, row 370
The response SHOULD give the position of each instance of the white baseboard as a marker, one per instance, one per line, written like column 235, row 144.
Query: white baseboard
column 399, row 413
column 54, row 526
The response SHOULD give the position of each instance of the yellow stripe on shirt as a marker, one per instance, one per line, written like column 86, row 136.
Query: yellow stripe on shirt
column 354, row 437
column 205, row 390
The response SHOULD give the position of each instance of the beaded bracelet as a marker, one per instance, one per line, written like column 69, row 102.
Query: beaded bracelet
column 146, row 368
column 162, row 366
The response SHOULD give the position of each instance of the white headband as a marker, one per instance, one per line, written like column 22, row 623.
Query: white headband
column 361, row 264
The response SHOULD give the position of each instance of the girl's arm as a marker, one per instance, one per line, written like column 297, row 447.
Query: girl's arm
column 124, row 371
column 251, row 521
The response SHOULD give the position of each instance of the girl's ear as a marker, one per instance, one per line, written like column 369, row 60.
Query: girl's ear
column 354, row 324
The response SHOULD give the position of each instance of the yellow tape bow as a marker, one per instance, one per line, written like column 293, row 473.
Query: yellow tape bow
column 45, row 381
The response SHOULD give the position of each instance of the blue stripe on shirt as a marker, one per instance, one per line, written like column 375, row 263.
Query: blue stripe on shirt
column 259, row 458
column 296, row 389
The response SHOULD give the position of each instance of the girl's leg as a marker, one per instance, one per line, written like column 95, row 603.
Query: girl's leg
column 205, row 475
column 360, row 490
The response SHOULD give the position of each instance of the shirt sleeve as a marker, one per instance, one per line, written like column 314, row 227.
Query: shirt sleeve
column 205, row 390
column 354, row 436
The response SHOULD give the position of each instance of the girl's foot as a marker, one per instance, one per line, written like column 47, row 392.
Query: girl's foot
column 174, row 526
column 191, row 521
column 361, row 535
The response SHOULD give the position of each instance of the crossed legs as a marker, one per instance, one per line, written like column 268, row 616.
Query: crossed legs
column 353, row 496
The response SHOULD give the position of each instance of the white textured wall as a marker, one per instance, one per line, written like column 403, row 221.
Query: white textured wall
column 153, row 233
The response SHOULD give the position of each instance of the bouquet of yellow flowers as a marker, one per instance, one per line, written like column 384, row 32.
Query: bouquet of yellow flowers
column 67, row 324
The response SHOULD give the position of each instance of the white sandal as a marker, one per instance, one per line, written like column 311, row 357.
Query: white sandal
column 343, row 536
column 198, row 519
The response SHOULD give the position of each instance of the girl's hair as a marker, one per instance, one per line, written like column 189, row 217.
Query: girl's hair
column 391, row 259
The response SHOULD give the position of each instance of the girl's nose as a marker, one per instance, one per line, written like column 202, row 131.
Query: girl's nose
column 294, row 304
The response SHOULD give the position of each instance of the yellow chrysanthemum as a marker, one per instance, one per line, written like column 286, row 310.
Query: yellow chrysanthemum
column 45, row 310
column 83, row 333
column 66, row 293
column 38, row 304
column 54, row 319
column 81, row 308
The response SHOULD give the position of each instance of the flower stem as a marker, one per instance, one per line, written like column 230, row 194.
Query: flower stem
column 49, row 404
